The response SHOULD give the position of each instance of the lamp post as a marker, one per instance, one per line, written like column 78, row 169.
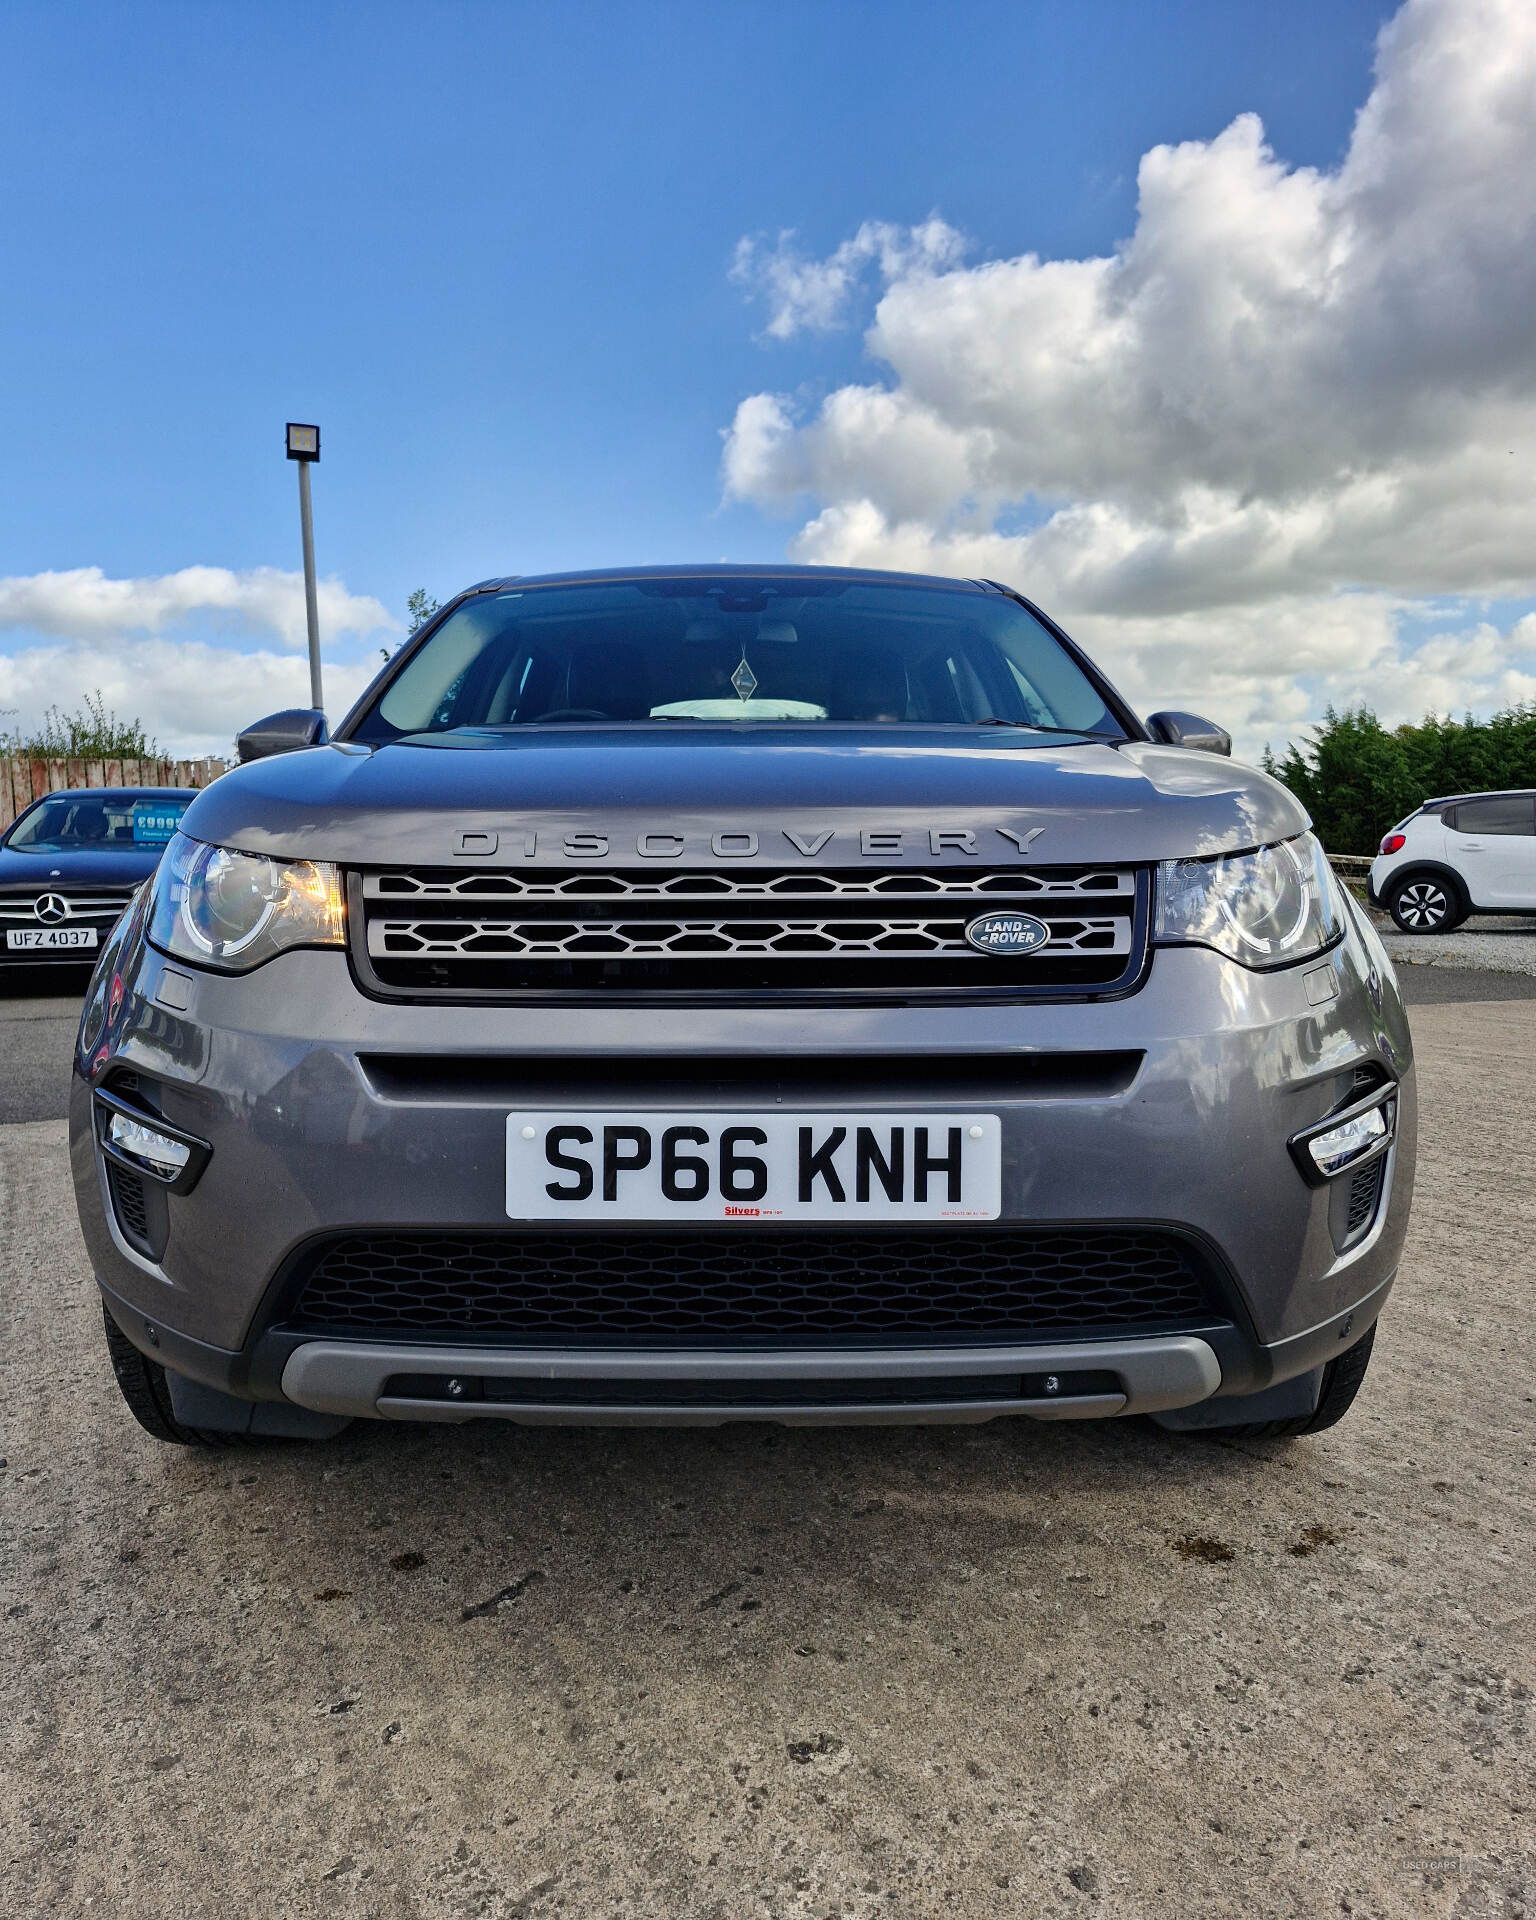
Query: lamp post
column 303, row 443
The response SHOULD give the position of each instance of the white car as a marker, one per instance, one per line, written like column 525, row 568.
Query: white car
column 1468, row 853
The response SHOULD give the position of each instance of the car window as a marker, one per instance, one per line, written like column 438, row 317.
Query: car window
column 106, row 822
column 739, row 650
column 1503, row 813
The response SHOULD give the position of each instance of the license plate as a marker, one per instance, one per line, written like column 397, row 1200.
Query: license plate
column 754, row 1166
column 49, row 938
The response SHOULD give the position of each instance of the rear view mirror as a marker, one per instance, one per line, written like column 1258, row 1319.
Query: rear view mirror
column 1189, row 730
column 283, row 732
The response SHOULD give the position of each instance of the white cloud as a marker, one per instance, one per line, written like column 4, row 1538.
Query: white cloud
column 1289, row 405
column 82, row 602
column 1264, row 665
column 804, row 293
column 76, row 631
column 192, row 698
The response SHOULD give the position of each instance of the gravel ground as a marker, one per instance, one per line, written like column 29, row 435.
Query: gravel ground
column 1014, row 1669
column 1487, row 941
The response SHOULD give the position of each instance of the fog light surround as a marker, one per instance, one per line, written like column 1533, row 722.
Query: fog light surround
column 147, row 1145
column 157, row 1152
column 1346, row 1144
column 1348, row 1139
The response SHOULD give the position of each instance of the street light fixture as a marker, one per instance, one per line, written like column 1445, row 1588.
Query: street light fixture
column 303, row 445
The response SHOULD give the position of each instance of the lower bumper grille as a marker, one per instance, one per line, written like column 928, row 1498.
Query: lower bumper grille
column 1364, row 1192
column 129, row 1198
column 140, row 1207
column 756, row 1285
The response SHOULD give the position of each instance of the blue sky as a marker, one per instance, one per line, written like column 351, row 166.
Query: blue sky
column 488, row 248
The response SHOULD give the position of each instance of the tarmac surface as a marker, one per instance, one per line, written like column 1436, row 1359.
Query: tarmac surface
column 37, row 1035
column 1014, row 1669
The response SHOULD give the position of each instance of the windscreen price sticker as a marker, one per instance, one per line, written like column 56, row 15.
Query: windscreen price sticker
column 154, row 826
column 754, row 1166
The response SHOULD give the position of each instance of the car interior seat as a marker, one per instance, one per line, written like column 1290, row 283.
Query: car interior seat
column 609, row 677
column 869, row 683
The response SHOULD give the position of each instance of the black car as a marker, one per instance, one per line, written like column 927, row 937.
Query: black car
column 72, row 861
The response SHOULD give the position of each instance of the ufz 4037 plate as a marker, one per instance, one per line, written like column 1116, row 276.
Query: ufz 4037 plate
column 49, row 939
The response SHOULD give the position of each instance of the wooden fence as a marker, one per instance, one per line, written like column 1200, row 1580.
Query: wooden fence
column 1354, row 869
column 23, row 780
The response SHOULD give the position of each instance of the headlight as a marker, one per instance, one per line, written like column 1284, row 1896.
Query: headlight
column 232, row 911
column 1265, row 909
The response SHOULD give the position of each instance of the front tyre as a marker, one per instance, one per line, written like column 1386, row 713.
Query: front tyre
column 1425, row 905
column 187, row 1413
column 1342, row 1380
column 143, row 1385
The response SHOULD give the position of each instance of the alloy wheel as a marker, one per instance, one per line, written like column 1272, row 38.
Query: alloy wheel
column 1423, row 906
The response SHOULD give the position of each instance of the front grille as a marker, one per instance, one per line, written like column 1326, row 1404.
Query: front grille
column 759, row 1285
column 608, row 932
column 99, row 905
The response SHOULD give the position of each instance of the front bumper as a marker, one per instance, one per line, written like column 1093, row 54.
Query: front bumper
column 311, row 1137
column 691, row 1387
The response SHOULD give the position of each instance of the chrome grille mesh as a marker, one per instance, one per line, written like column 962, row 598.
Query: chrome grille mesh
column 20, row 909
column 702, row 933
column 832, row 939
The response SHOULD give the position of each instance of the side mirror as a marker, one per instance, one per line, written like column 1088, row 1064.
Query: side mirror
column 282, row 733
column 1189, row 730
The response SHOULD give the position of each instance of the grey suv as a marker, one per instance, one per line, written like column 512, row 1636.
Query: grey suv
column 688, row 995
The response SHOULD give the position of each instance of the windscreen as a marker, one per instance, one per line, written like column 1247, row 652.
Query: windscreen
column 688, row 651
column 104, row 822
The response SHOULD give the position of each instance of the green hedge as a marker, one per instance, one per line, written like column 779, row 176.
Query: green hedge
column 92, row 733
column 1357, row 778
